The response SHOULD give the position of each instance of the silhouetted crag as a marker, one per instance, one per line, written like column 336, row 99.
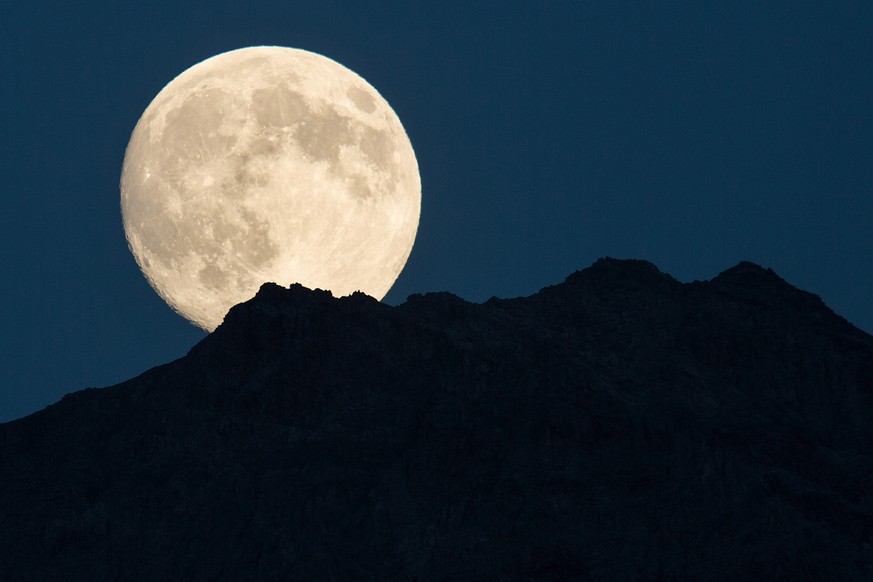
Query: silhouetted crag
column 617, row 426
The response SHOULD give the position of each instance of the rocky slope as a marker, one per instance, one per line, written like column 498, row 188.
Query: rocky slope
column 617, row 426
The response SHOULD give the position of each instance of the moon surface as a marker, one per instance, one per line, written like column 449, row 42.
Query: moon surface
column 268, row 164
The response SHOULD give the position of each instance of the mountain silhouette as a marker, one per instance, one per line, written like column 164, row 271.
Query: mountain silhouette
column 620, row 425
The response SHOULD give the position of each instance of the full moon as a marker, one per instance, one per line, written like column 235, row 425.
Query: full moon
column 268, row 164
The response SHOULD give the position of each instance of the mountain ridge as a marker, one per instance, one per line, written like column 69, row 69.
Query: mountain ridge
column 619, row 424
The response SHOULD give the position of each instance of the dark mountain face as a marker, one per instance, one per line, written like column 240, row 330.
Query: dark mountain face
column 617, row 426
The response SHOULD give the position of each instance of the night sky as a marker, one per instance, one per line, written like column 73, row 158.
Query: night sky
column 548, row 134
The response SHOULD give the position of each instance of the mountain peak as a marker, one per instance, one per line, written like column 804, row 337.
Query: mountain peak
column 755, row 284
column 748, row 271
column 565, row 435
column 608, row 269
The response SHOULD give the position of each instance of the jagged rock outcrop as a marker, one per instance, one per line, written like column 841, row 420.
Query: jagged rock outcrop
column 617, row 426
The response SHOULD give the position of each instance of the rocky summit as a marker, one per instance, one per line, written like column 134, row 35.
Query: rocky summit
column 620, row 425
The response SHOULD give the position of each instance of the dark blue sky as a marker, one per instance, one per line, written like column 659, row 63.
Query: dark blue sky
column 548, row 134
